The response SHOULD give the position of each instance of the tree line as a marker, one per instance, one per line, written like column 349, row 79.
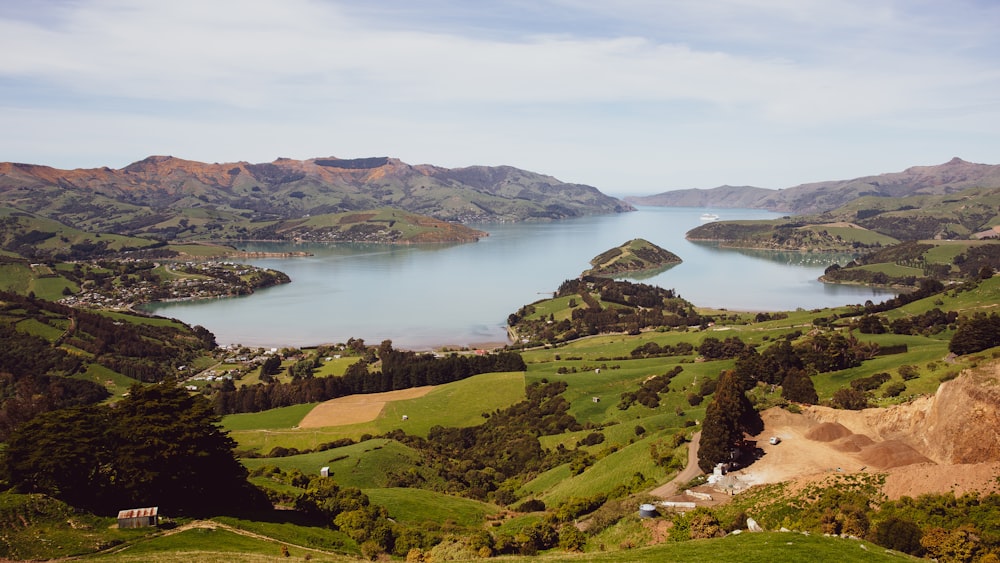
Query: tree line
column 631, row 308
column 35, row 372
column 388, row 370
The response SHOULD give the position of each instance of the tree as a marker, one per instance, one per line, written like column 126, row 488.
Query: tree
column 171, row 452
column 727, row 418
column 798, row 387
column 64, row 454
column 899, row 534
column 976, row 333
column 271, row 366
column 160, row 446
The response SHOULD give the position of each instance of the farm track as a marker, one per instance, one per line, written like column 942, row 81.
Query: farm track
column 689, row 472
column 206, row 525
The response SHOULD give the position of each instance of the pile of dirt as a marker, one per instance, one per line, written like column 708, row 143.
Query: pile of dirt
column 889, row 454
column 828, row 432
column 853, row 443
column 933, row 444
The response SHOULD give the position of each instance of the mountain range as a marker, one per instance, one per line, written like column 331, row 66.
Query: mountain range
column 953, row 176
column 154, row 195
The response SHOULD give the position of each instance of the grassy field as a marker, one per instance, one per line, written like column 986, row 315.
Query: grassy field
column 773, row 547
column 417, row 506
column 214, row 544
column 457, row 404
column 856, row 234
column 284, row 417
column 364, row 465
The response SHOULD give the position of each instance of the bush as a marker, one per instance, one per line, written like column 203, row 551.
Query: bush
column 531, row 505
column 849, row 399
column 908, row 372
column 894, row 389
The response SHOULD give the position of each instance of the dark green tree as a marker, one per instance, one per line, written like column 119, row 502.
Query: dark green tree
column 170, row 451
column 65, row 454
column 271, row 366
column 798, row 387
column 727, row 418
column 160, row 446
column 976, row 333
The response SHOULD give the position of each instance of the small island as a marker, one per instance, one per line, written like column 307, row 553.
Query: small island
column 636, row 255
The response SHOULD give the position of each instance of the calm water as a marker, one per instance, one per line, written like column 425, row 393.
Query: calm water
column 425, row 296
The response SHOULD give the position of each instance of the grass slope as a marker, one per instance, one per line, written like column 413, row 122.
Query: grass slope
column 461, row 403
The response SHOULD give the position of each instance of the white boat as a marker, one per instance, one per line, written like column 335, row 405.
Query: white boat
column 709, row 217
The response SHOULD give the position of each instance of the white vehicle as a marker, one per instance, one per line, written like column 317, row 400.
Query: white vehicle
column 774, row 441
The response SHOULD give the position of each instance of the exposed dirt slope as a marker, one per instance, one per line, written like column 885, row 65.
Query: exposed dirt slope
column 948, row 442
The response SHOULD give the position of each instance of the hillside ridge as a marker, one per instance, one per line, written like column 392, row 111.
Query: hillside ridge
column 286, row 188
column 817, row 197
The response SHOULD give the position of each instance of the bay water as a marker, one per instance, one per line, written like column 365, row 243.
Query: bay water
column 426, row 296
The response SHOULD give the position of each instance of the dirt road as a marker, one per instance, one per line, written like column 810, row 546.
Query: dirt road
column 690, row 472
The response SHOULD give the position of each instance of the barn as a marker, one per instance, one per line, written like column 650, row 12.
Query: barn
column 139, row 517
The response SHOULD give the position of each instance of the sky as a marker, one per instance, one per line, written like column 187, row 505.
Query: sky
column 632, row 96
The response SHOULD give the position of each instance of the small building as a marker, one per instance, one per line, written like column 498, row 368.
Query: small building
column 139, row 517
column 324, row 471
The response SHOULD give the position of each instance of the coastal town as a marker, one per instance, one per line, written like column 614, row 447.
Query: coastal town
column 124, row 286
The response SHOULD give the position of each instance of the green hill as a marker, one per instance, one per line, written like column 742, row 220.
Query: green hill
column 866, row 223
column 636, row 255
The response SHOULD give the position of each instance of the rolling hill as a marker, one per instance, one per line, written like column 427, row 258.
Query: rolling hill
column 950, row 177
column 171, row 198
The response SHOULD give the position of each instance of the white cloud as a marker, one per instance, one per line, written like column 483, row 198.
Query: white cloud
column 554, row 86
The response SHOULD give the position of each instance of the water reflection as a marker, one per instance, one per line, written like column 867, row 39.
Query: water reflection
column 421, row 296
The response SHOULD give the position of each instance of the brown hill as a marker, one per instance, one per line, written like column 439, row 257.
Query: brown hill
column 950, row 177
column 153, row 190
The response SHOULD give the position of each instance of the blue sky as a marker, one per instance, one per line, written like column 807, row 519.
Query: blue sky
column 632, row 96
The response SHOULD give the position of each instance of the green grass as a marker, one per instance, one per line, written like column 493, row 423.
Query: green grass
column 51, row 288
column 15, row 277
column 39, row 527
column 852, row 234
column 335, row 366
column 416, row 506
column 893, row 270
column 284, row 417
column 745, row 548
column 141, row 319
column 605, row 475
column 293, row 528
column 46, row 331
column 460, row 404
column 116, row 383
column 206, row 544
column 364, row 465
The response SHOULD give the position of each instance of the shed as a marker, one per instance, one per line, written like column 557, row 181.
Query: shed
column 139, row 517
column 324, row 471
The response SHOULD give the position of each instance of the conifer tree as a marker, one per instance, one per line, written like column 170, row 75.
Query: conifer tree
column 727, row 418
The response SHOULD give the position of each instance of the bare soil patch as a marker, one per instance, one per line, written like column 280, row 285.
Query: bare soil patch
column 357, row 408
column 934, row 444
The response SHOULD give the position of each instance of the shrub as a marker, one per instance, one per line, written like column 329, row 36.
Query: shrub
column 894, row 389
column 908, row 372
